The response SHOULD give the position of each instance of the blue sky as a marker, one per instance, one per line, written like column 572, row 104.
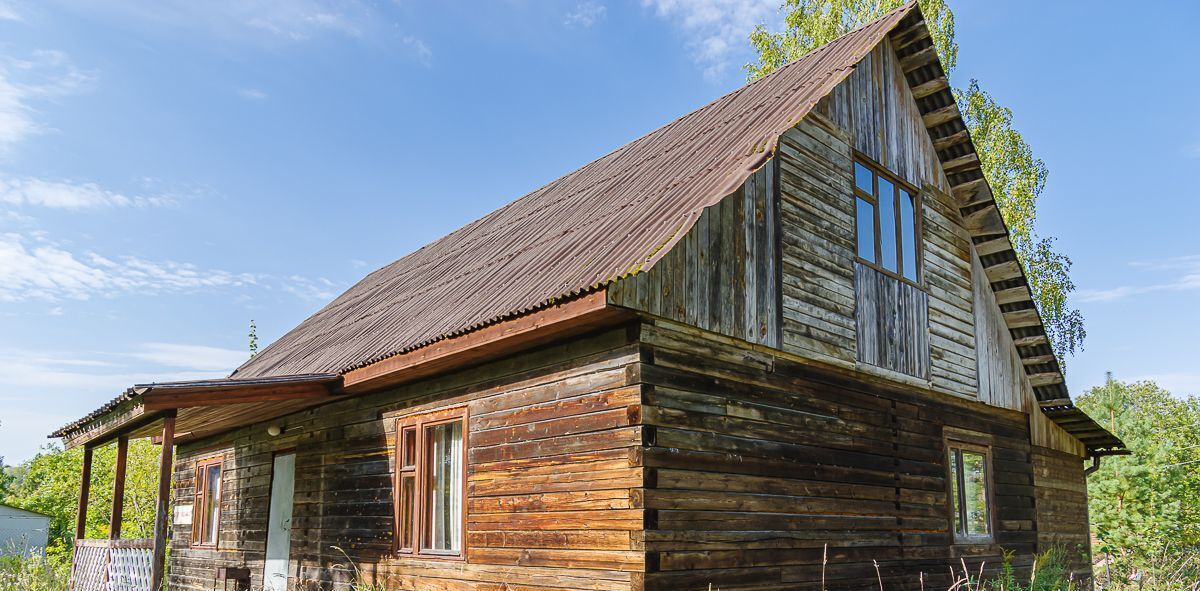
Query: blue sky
column 170, row 170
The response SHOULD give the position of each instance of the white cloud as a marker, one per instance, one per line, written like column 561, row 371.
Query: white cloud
column 8, row 11
column 585, row 14
column 22, row 371
column 717, row 30
column 253, row 94
column 421, row 50
column 77, row 382
column 305, row 288
column 1185, row 276
column 193, row 357
column 252, row 21
column 34, row 268
column 18, row 191
column 25, row 83
column 1192, row 150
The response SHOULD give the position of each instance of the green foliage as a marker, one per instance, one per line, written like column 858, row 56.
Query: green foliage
column 49, row 483
column 34, row 572
column 253, row 338
column 1017, row 179
column 1144, row 506
column 1050, row 572
column 1016, row 176
column 809, row 24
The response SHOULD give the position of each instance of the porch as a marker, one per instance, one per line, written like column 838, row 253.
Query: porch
column 167, row 413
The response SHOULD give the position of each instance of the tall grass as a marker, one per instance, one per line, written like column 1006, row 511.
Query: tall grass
column 1172, row 569
column 34, row 571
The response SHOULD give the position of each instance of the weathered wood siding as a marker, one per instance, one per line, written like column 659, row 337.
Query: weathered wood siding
column 759, row 461
column 1060, row 487
column 873, row 112
column 893, row 322
column 723, row 275
column 553, row 498
column 817, row 243
column 876, row 109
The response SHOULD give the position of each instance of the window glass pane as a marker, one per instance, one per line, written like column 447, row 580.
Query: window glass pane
column 955, row 473
column 866, row 230
column 887, row 225
column 974, row 467
column 444, row 487
column 407, row 488
column 908, row 233
column 408, row 447
column 862, row 178
column 212, row 502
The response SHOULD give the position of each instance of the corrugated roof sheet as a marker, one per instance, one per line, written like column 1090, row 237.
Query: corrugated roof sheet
column 604, row 221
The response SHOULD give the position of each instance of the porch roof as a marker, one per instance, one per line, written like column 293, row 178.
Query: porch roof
column 200, row 406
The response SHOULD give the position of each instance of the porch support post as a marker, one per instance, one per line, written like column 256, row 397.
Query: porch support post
column 162, row 513
column 118, row 506
column 85, row 485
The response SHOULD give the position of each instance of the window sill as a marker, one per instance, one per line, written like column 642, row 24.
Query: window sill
column 432, row 556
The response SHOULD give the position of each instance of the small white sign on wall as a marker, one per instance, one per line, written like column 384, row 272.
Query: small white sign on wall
column 183, row 514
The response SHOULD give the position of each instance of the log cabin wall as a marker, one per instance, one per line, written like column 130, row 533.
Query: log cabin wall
column 553, row 485
column 758, row 460
column 1061, row 501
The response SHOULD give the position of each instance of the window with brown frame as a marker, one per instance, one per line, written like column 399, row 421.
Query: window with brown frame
column 970, row 495
column 206, row 511
column 430, row 485
column 887, row 221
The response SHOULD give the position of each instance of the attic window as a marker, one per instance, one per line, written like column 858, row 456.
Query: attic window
column 886, row 221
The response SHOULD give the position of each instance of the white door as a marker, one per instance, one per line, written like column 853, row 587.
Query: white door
column 279, row 523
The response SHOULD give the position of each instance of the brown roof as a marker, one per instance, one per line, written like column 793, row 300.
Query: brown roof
column 609, row 219
column 618, row 215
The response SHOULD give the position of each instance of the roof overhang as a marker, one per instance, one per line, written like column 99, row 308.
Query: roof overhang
column 989, row 233
column 200, row 407
column 572, row 316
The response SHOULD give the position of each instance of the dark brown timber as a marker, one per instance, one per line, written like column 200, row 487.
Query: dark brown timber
column 85, row 486
column 162, row 508
column 118, row 502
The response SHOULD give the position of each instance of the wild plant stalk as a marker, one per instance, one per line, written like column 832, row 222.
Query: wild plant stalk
column 824, row 561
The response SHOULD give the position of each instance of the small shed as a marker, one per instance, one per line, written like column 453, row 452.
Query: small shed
column 22, row 531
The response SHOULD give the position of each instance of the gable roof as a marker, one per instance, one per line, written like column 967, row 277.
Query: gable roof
column 618, row 215
column 609, row 219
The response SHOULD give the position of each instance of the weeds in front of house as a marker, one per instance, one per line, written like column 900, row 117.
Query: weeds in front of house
column 1049, row 571
column 357, row 583
column 33, row 570
column 1171, row 569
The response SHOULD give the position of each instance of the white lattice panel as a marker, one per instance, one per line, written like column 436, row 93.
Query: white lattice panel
column 129, row 569
column 112, row 565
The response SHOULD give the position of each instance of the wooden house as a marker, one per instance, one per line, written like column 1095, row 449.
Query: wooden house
column 770, row 344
